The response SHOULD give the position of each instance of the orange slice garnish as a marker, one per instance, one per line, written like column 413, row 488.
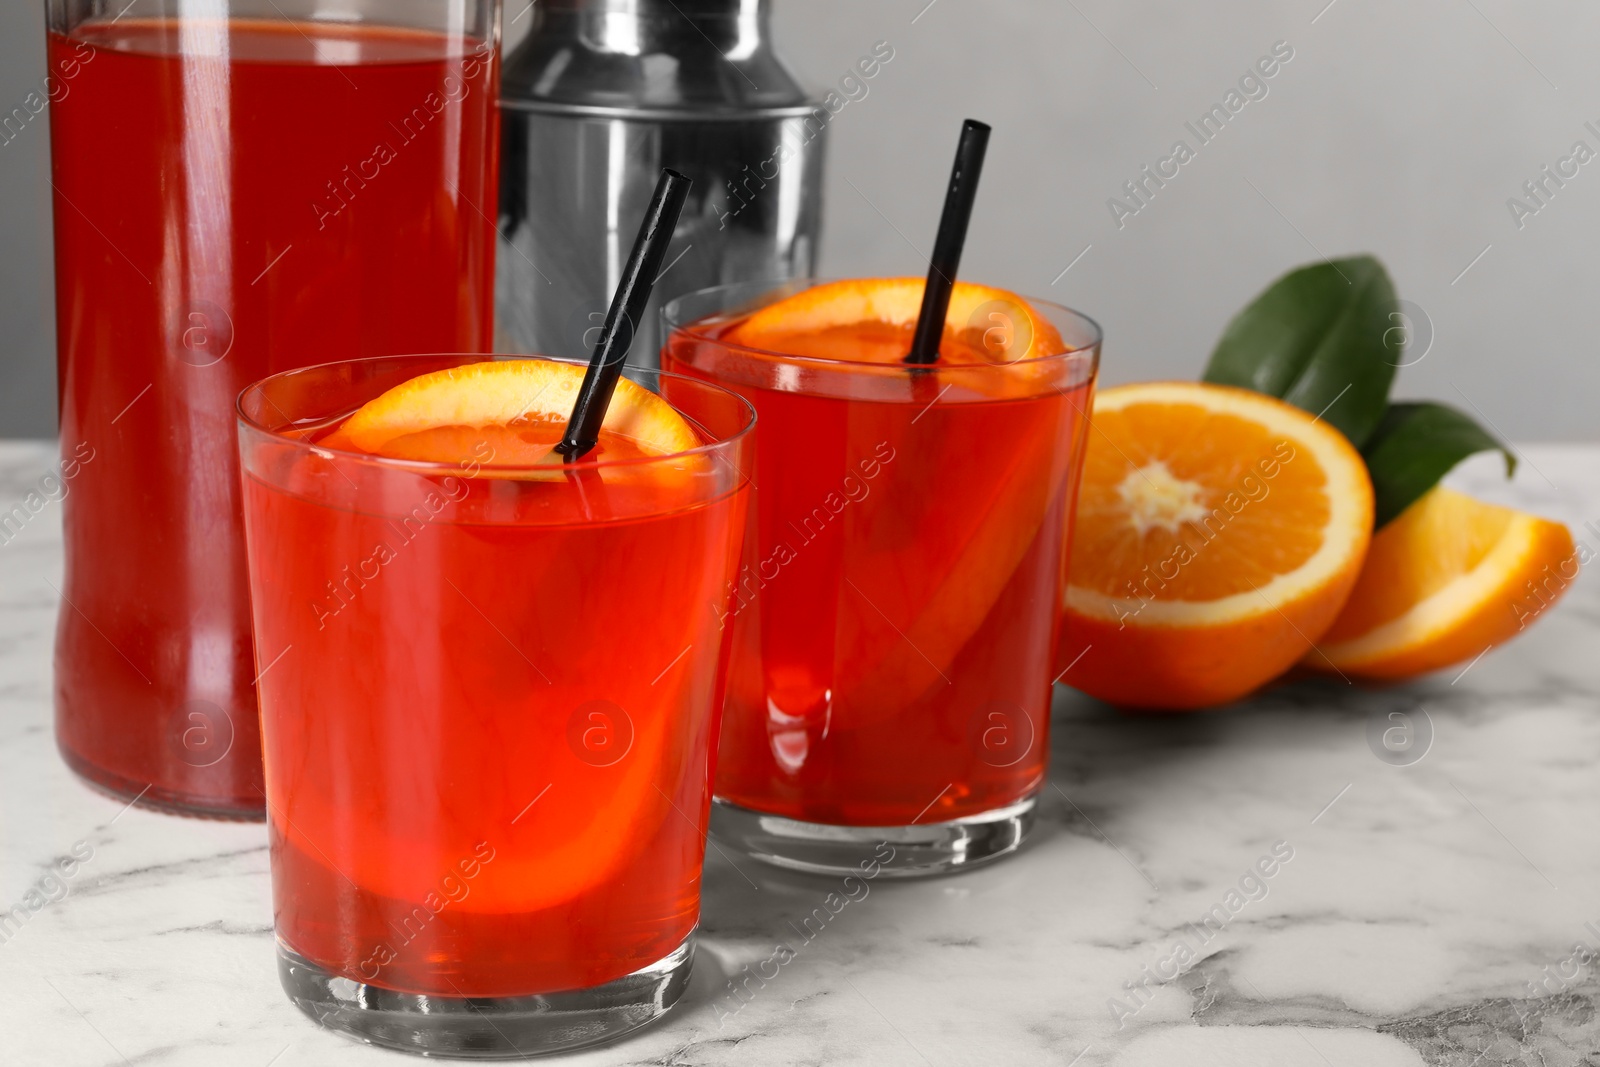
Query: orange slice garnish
column 871, row 320
column 1219, row 532
column 1445, row 581
column 519, row 408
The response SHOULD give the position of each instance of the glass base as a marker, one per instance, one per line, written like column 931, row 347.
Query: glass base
column 918, row 850
column 487, row 1028
column 154, row 798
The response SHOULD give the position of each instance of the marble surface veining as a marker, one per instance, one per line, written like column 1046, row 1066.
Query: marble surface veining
column 1442, row 912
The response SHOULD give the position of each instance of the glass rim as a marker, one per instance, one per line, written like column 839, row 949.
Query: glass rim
column 453, row 468
column 671, row 318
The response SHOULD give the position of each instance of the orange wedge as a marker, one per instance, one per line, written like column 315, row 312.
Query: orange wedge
column 519, row 408
column 874, row 318
column 1444, row 582
column 1219, row 532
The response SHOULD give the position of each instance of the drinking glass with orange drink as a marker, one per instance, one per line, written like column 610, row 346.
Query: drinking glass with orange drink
column 491, row 663
column 471, row 793
column 894, row 613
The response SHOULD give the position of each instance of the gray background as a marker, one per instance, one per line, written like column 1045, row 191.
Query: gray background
column 1399, row 128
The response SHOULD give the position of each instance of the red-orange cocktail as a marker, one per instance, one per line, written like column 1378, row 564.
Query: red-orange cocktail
column 489, row 693
column 894, row 614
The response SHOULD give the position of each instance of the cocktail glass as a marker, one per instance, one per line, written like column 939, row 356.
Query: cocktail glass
column 489, row 697
column 895, row 612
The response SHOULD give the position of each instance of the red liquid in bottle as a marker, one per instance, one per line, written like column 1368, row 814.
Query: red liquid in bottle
column 231, row 199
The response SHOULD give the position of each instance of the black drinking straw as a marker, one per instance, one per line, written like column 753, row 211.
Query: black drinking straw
column 958, row 201
column 627, row 306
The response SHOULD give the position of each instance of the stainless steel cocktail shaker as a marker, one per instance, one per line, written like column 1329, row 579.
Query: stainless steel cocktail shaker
column 599, row 97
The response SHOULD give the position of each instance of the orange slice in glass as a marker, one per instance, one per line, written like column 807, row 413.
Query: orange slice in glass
column 871, row 320
column 519, row 408
column 933, row 561
column 564, row 848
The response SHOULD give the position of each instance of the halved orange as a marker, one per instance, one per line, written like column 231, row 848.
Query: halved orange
column 519, row 408
column 1444, row 582
column 1219, row 531
column 871, row 320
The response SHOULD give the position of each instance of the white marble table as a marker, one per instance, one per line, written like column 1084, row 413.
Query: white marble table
column 1421, row 908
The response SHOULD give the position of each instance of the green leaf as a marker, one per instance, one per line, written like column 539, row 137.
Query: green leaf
column 1415, row 445
column 1316, row 339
